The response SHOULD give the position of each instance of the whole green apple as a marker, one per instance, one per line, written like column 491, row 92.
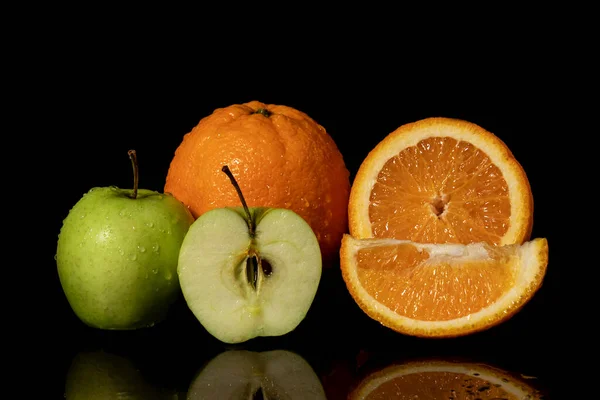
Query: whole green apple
column 98, row 375
column 251, row 271
column 117, row 255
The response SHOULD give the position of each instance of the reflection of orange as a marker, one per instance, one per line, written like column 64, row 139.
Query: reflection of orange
column 441, row 180
column 280, row 157
column 337, row 380
column 342, row 374
column 441, row 290
column 441, row 379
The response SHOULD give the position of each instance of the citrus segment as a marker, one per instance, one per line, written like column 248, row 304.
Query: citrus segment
column 441, row 290
column 440, row 379
column 441, row 180
column 452, row 292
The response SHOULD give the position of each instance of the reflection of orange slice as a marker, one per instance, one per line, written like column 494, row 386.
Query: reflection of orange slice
column 440, row 379
column 441, row 180
column 441, row 290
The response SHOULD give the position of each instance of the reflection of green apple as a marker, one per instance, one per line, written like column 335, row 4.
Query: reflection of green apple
column 242, row 374
column 117, row 255
column 101, row 375
column 248, row 272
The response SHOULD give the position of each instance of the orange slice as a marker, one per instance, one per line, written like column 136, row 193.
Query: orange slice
column 444, row 289
column 441, row 379
column 441, row 180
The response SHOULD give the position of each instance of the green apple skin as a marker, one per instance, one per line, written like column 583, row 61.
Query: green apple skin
column 212, row 272
column 242, row 374
column 117, row 256
column 98, row 375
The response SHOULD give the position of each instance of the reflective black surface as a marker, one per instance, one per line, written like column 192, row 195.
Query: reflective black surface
column 100, row 116
column 336, row 343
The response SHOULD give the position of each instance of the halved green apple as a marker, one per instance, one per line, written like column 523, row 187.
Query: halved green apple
column 248, row 272
column 243, row 374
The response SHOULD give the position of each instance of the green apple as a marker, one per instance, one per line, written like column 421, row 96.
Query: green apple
column 117, row 255
column 248, row 272
column 98, row 375
column 243, row 374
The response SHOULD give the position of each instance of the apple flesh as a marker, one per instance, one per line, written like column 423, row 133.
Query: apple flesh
column 241, row 283
column 243, row 374
column 117, row 256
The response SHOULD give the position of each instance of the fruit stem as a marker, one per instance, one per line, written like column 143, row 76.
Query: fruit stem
column 133, row 157
column 249, row 219
column 263, row 111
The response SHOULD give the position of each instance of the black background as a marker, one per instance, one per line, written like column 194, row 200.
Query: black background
column 145, row 92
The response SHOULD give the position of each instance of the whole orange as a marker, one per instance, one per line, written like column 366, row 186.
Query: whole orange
column 280, row 157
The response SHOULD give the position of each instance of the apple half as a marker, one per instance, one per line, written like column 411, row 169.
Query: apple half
column 243, row 374
column 249, row 272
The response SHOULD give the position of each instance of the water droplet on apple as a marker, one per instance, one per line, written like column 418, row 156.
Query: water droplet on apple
column 121, row 252
column 155, row 270
column 155, row 248
column 55, row 257
column 133, row 257
column 306, row 202
column 82, row 216
column 142, row 249
column 122, row 213
column 168, row 232
column 160, row 196
column 150, row 224
column 168, row 276
column 133, row 227
column 327, row 199
column 113, row 188
column 287, row 204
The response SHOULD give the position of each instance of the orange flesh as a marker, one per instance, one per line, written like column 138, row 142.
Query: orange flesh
column 439, row 385
column 406, row 281
column 440, row 191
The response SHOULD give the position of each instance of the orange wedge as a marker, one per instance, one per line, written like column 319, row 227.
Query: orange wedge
column 444, row 289
column 441, row 180
column 441, row 379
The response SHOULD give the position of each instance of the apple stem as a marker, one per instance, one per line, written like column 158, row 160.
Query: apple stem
column 249, row 218
column 133, row 157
